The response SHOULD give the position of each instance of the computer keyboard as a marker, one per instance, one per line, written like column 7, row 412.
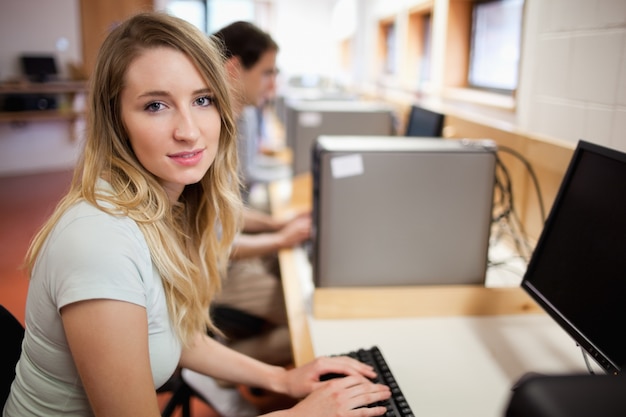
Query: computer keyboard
column 397, row 405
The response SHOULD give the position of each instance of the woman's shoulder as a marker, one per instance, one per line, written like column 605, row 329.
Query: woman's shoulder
column 85, row 214
column 103, row 213
column 85, row 225
column 91, row 253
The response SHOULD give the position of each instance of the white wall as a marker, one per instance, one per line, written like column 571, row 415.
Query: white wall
column 305, row 36
column 39, row 26
column 574, row 71
column 36, row 26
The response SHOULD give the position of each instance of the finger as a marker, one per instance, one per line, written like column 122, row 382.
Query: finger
column 355, row 367
column 342, row 365
column 367, row 395
column 363, row 368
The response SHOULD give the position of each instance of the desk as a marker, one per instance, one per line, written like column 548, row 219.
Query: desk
column 454, row 357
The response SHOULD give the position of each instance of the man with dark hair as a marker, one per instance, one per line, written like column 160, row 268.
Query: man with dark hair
column 251, row 65
column 251, row 62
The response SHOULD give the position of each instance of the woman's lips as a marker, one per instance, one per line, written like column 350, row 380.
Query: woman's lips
column 188, row 158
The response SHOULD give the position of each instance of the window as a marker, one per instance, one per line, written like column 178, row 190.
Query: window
column 344, row 24
column 388, row 30
column 224, row 12
column 426, row 47
column 495, row 44
column 193, row 11
column 419, row 45
column 212, row 15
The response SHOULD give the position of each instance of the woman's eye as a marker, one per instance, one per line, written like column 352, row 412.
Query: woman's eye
column 154, row 107
column 205, row 101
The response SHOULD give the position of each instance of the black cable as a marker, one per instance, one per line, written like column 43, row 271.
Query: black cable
column 532, row 174
column 508, row 217
column 586, row 361
column 504, row 189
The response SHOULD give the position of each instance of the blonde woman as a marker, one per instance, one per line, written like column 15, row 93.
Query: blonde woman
column 123, row 272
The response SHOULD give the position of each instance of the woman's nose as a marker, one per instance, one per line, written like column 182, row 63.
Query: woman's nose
column 186, row 128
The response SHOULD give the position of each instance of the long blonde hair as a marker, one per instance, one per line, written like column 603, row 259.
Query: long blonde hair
column 190, row 240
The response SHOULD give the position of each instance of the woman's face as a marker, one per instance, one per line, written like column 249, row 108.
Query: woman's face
column 170, row 117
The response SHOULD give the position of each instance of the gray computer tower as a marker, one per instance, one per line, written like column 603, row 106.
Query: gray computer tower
column 307, row 120
column 401, row 211
column 282, row 101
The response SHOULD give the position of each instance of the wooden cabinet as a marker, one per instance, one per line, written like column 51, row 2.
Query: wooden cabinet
column 64, row 93
column 97, row 19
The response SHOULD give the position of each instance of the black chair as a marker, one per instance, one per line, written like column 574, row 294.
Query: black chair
column 12, row 336
column 181, row 396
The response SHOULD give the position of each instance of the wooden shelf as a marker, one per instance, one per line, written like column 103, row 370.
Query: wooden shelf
column 39, row 115
column 67, row 89
column 54, row 87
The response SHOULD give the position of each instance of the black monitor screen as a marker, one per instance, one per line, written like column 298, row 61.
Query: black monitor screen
column 39, row 68
column 578, row 270
column 424, row 123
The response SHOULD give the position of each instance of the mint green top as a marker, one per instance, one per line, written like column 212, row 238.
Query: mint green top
column 89, row 255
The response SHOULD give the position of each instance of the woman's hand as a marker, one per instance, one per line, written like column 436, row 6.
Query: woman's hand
column 347, row 396
column 303, row 380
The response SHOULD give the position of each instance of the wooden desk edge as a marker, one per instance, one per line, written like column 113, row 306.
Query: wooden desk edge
column 420, row 301
column 297, row 315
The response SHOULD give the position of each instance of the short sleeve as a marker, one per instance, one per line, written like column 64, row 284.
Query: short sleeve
column 93, row 254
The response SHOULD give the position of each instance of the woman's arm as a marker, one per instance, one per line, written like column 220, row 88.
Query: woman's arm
column 211, row 358
column 109, row 344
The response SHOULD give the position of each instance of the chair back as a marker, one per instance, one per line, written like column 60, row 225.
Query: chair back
column 12, row 335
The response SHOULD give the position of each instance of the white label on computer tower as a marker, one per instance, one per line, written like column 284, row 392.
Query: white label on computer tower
column 346, row 166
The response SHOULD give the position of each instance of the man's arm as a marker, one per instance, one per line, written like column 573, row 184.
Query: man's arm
column 255, row 221
column 292, row 233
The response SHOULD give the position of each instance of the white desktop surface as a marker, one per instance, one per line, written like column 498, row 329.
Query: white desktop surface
column 459, row 366
column 456, row 366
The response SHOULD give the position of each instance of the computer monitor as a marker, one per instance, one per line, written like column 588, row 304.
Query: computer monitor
column 39, row 68
column 424, row 123
column 577, row 272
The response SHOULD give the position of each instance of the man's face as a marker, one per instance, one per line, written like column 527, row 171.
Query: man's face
column 260, row 80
